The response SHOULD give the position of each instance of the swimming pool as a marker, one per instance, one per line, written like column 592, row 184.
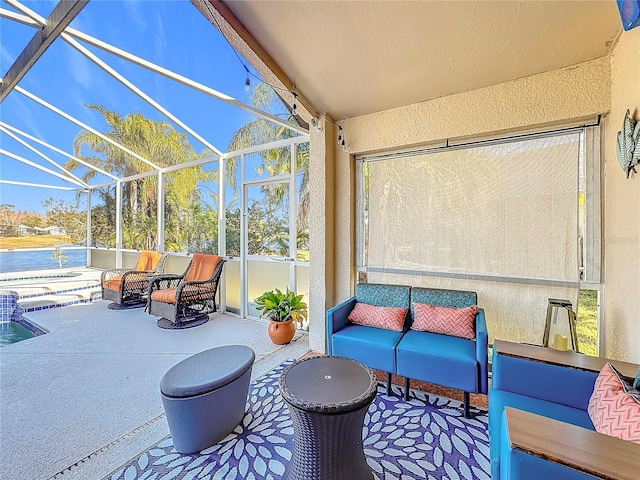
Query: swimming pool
column 43, row 289
column 13, row 326
column 24, row 292
column 13, row 332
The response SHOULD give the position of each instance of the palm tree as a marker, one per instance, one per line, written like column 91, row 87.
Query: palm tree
column 158, row 143
column 260, row 131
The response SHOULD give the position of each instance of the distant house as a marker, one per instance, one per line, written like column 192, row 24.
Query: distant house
column 21, row 230
column 24, row 230
column 54, row 230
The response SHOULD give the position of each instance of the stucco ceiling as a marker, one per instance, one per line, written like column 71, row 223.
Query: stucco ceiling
column 354, row 58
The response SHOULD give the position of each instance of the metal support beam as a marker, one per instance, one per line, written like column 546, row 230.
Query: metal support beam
column 123, row 80
column 40, row 167
column 293, row 229
column 61, row 16
column 56, row 149
column 159, row 70
column 28, row 184
column 18, row 17
column 42, row 155
column 89, row 239
column 104, row 137
column 160, row 213
column 182, row 79
column 222, row 231
column 119, row 225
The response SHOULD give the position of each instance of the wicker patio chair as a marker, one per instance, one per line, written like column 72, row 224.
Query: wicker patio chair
column 184, row 301
column 126, row 287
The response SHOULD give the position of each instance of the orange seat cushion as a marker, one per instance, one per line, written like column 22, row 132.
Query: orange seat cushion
column 167, row 295
column 134, row 282
column 148, row 260
column 191, row 292
column 113, row 283
column 202, row 267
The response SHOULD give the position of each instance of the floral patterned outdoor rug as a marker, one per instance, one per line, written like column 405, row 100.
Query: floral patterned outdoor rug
column 424, row 438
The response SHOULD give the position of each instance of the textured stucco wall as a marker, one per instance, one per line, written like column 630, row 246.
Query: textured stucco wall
column 622, row 211
column 550, row 97
column 545, row 99
column 321, row 231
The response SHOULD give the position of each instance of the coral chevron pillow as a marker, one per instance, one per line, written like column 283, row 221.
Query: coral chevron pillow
column 457, row 322
column 388, row 318
column 614, row 409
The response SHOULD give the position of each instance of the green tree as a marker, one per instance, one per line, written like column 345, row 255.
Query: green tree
column 34, row 219
column 57, row 255
column 191, row 224
column 9, row 216
column 268, row 228
column 161, row 145
column 275, row 161
column 68, row 215
column 103, row 218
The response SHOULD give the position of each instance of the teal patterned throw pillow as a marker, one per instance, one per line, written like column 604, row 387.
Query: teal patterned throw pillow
column 636, row 382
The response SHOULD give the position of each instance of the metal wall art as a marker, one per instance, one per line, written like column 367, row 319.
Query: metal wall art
column 629, row 144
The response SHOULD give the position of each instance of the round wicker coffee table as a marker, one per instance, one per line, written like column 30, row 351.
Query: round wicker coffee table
column 328, row 398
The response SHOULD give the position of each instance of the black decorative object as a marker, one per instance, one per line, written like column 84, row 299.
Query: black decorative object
column 328, row 399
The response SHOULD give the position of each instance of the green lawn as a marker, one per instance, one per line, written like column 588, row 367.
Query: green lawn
column 33, row 241
column 587, row 322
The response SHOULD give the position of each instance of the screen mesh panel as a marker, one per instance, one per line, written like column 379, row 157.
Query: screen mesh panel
column 498, row 219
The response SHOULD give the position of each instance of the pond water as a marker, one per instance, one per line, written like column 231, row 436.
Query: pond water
column 19, row 261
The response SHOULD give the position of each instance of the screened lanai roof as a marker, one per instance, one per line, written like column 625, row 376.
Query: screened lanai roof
column 163, row 60
column 344, row 57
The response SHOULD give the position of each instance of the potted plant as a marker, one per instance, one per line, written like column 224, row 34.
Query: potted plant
column 282, row 309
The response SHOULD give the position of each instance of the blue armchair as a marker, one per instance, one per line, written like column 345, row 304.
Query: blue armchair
column 374, row 347
column 539, row 426
column 445, row 360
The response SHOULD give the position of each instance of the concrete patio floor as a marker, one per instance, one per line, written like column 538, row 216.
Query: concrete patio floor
column 83, row 399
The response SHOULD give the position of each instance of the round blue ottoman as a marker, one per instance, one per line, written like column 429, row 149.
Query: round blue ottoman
column 204, row 396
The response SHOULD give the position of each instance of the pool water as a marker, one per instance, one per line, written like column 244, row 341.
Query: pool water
column 12, row 332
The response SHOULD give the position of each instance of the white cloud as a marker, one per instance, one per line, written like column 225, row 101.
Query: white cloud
column 80, row 68
column 29, row 113
column 6, row 59
column 160, row 44
column 132, row 8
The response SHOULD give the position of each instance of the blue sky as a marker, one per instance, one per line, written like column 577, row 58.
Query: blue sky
column 172, row 34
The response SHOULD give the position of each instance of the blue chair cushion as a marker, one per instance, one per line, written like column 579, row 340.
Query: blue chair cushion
column 498, row 399
column 443, row 298
column 382, row 295
column 440, row 359
column 372, row 346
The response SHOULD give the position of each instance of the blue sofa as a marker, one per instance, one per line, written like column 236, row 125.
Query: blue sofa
column 539, row 426
column 441, row 359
